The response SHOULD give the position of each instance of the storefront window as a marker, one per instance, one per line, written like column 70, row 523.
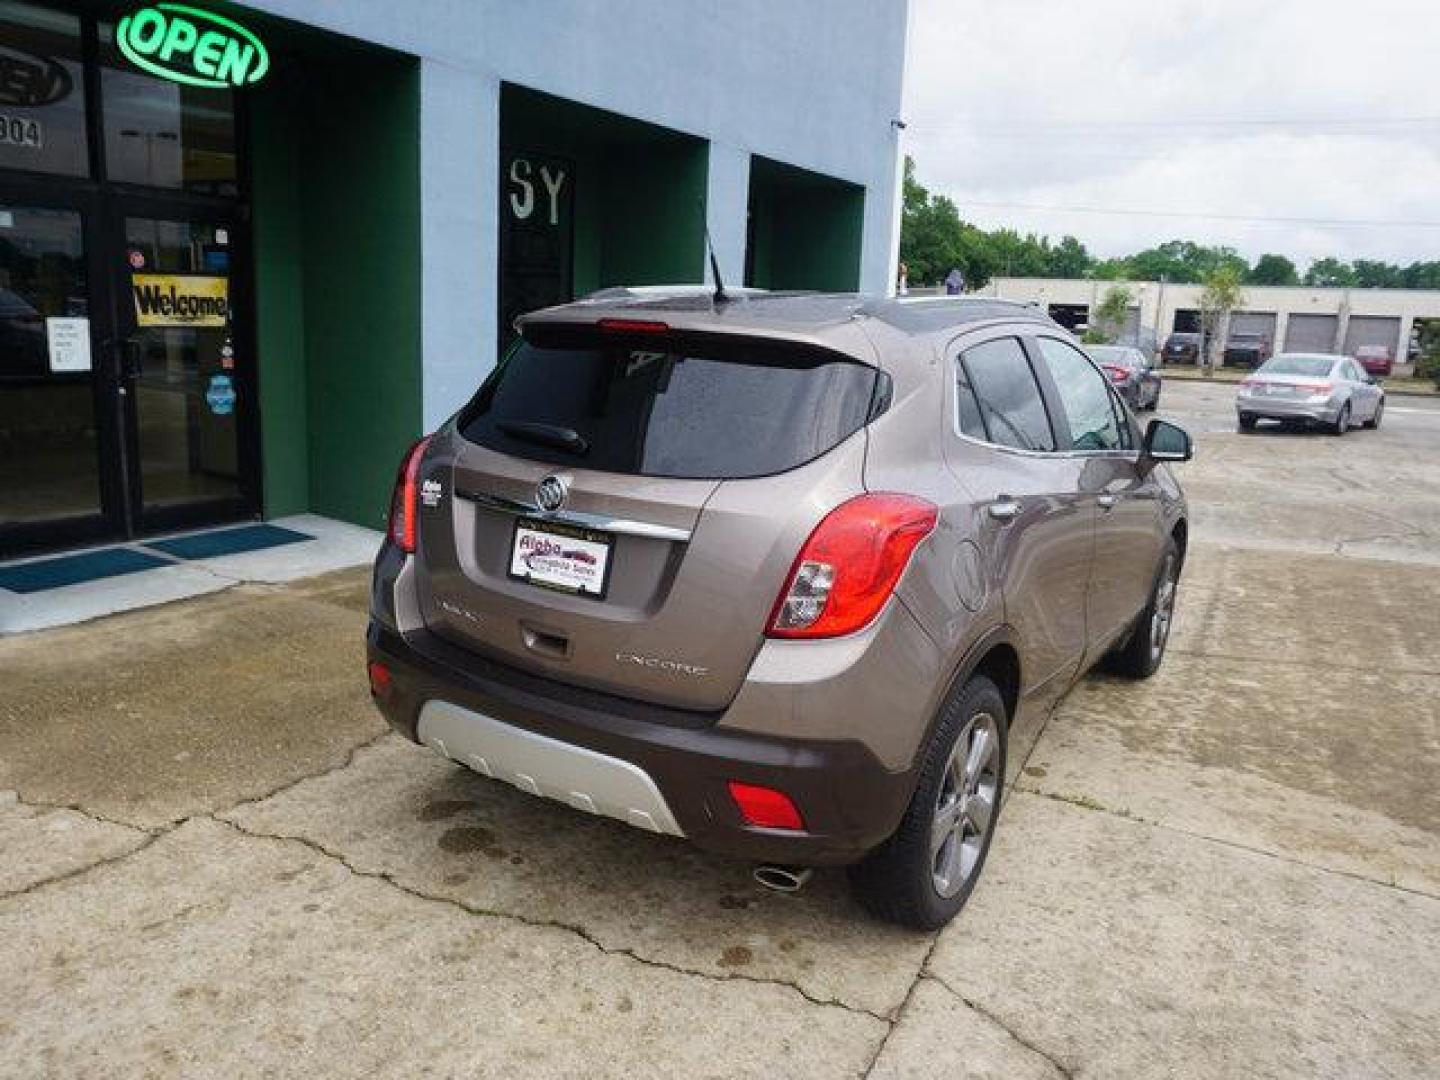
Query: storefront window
column 163, row 134
column 42, row 91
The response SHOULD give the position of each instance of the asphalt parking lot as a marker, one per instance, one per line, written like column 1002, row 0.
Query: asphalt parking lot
column 218, row 864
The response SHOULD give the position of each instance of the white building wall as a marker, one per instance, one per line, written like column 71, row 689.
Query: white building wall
column 812, row 83
column 1159, row 303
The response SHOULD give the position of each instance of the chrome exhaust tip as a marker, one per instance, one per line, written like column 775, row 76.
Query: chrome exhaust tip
column 785, row 879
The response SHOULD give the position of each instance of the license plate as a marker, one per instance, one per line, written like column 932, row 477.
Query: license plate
column 562, row 557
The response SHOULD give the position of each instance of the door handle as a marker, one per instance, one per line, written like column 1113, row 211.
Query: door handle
column 1107, row 502
column 1006, row 510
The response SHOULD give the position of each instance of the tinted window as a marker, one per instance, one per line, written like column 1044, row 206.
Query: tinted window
column 163, row 134
column 717, row 412
column 1004, row 399
column 42, row 91
column 1084, row 395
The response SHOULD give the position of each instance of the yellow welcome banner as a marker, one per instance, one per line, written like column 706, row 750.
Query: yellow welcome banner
column 180, row 299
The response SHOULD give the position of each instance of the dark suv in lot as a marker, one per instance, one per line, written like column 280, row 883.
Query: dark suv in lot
column 1246, row 350
column 776, row 574
column 1181, row 349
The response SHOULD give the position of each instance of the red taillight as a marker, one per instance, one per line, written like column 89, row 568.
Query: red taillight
column 1317, row 388
column 633, row 326
column 1118, row 374
column 765, row 807
column 849, row 566
column 379, row 679
column 404, row 504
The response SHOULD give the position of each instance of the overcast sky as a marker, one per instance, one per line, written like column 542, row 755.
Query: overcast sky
column 1301, row 109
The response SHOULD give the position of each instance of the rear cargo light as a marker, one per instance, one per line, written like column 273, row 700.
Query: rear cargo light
column 633, row 326
column 850, row 565
column 404, row 504
column 765, row 807
column 380, row 679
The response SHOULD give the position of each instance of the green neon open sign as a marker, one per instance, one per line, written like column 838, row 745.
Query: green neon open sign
column 190, row 46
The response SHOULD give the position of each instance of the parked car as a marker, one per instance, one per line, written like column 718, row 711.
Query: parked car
column 1181, row 349
column 817, row 600
column 1246, row 350
column 1375, row 359
column 1130, row 373
column 1316, row 389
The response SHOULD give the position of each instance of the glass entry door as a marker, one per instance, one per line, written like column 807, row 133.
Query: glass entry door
column 186, row 383
column 59, row 466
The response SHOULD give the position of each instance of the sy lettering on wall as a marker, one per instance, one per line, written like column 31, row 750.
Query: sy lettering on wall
column 522, row 200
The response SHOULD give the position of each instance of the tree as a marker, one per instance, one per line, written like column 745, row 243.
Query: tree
column 1112, row 313
column 1069, row 259
column 1371, row 274
column 1218, row 300
column 1273, row 270
column 1329, row 272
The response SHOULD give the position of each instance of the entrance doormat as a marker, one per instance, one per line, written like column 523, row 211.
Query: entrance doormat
column 208, row 545
column 64, row 570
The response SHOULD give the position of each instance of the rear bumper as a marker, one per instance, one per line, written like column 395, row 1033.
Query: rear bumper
column 1268, row 408
column 849, row 800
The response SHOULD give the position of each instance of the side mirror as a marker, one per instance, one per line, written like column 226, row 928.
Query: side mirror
column 1165, row 441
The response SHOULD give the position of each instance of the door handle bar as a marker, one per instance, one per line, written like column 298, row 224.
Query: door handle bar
column 1006, row 510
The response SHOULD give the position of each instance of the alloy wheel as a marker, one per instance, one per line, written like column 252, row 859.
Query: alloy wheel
column 965, row 806
column 1164, row 609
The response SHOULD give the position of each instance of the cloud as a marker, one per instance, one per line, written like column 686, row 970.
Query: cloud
column 1117, row 104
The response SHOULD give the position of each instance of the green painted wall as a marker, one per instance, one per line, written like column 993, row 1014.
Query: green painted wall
column 639, row 189
column 336, row 183
column 805, row 229
column 279, row 303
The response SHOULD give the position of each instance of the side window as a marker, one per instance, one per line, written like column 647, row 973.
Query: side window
column 1084, row 395
column 998, row 390
column 1122, row 422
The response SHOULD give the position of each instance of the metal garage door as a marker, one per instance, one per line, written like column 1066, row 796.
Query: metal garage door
column 1373, row 330
column 1311, row 333
column 1254, row 322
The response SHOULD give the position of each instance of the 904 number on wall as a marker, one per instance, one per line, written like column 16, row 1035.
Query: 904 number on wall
column 20, row 131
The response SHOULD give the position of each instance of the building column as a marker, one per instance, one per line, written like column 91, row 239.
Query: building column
column 1342, row 324
column 459, row 233
column 727, row 209
column 1282, row 327
column 1402, row 347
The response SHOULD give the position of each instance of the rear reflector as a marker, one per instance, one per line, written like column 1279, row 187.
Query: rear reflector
column 633, row 326
column 765, row 807
column 850, row 566
column 404, row 504
column 380, row 680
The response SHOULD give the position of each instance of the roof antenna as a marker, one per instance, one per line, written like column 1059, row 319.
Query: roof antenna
column 720, row 296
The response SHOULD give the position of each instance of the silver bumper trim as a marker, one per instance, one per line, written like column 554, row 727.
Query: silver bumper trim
column 540, row 765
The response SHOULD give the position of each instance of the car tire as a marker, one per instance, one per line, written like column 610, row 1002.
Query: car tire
column 925, row 872
column 1143, row 651
column 1247, row 422
column 1342, row 422
column 1374, row 421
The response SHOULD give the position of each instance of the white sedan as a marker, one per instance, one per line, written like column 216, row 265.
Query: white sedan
column 1333, row 392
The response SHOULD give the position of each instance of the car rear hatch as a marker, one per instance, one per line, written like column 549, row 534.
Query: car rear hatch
column 618, row 508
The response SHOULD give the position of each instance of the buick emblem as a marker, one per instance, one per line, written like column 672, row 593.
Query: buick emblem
column 550, row 494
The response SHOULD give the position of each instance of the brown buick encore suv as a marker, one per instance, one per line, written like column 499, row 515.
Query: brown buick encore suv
column 776, row 573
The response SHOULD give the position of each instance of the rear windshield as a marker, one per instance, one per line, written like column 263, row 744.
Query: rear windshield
column 1315, row 366
column 718, row 411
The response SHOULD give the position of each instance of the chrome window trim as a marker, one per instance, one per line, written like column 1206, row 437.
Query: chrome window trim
column 603, row 522
column 952, row 359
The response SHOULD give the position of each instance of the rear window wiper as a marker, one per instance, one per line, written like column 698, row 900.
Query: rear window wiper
column 552, row 435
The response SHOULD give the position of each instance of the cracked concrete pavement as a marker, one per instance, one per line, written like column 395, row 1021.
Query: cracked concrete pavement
column 217, row 864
